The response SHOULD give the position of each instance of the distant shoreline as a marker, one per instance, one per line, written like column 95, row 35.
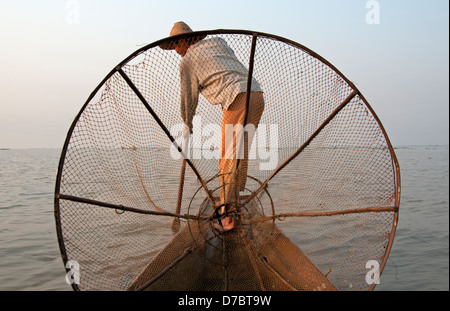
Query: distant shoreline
column 55, row 148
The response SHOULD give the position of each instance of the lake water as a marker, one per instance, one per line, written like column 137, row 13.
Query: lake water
column 30, row 257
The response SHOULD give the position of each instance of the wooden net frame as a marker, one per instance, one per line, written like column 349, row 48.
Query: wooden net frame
column 312, row 220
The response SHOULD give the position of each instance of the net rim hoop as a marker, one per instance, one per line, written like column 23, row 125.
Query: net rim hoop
column 133, row 55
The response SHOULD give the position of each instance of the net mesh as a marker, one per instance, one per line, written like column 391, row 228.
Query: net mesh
column 321, row 198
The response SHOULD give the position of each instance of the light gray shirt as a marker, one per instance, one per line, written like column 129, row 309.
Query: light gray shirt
column 211, row 68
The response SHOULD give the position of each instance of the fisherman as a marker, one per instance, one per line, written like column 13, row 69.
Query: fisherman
column 210, row 67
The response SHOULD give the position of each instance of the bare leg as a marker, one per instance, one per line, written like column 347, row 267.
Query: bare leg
column 233, row 164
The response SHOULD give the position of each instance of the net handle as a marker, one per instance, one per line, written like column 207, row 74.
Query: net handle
column 176, row 221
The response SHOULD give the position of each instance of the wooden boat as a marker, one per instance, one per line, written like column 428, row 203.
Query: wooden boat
column 248, row 258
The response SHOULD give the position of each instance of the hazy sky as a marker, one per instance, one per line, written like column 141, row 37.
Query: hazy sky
column 55, row 52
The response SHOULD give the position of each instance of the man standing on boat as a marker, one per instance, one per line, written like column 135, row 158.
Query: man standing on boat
column 211, row 68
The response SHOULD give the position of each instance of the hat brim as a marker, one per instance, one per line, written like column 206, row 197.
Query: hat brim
column 170, row 44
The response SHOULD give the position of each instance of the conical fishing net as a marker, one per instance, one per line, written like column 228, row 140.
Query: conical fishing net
column 321, row 198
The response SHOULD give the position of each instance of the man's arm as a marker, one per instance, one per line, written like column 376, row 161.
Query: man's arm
column 189, row 93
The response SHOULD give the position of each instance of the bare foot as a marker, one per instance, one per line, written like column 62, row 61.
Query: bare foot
column 228, row 223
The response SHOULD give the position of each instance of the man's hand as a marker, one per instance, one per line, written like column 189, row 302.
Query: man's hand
column 186, row 131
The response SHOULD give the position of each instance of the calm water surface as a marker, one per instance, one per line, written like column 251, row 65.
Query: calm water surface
column 30, row 257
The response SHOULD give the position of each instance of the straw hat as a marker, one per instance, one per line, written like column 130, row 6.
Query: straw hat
column 178, row 29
